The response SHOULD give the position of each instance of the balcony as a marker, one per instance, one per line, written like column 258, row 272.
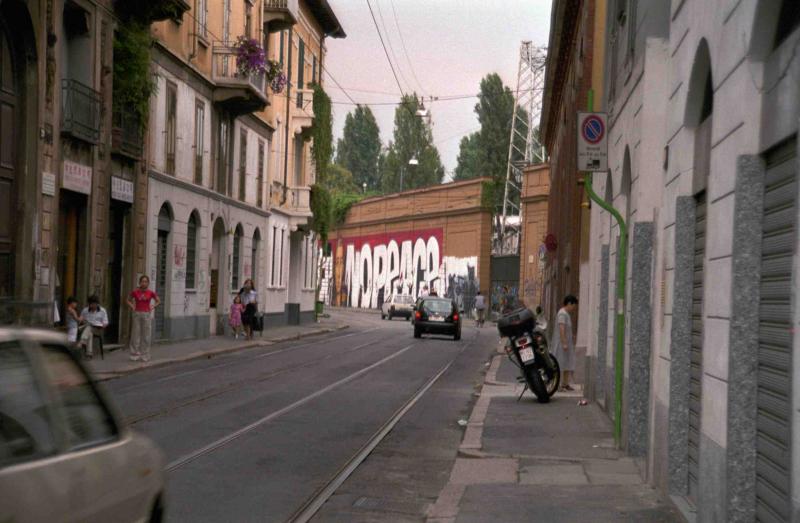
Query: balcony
column 280, row 14
column 80, row 111
column 126, row 134
column 300, row 200
column 303, row 117
column 235, row 92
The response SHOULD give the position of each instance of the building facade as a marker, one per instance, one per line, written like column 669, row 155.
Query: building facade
column 533, row 251
column 230, row 164
column 702, row 122
column 439, row 237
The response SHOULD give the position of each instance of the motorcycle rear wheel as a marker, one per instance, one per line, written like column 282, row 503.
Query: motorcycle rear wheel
column 555, row 381
column 536, row 384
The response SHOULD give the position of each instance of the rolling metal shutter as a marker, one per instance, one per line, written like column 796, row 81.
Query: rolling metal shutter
column 773, row 439
column 696, row 354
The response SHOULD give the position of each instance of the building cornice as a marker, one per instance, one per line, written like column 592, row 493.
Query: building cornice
column 476, row 209
column 208, row 193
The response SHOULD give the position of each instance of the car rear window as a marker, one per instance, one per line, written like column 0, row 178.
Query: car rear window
column 25, row 430
column 437, row 306
column 404, row 299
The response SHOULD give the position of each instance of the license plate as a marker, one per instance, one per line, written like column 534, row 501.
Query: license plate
column 435, row 317
column 526, row 354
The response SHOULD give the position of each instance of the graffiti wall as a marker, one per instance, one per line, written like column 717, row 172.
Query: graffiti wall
column 368, row 269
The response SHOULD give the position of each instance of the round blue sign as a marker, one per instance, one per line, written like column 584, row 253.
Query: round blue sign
column 593, row 129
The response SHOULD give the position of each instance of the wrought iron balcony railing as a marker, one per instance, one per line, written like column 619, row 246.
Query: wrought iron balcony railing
column 224, row 70
column 126, row 134
column 80, row 111
column 280, row 14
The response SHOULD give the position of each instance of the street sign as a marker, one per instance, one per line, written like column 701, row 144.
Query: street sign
column 592, row 142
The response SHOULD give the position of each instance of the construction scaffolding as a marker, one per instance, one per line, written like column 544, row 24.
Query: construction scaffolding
column 524, row 146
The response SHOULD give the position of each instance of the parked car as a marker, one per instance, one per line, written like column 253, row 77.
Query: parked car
column 65, row 454
column 398, row 305
column 434, row 315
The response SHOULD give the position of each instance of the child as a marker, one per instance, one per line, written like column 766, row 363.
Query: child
column 235, row 319
column 72, row 321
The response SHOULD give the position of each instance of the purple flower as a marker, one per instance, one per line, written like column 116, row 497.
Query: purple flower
column 250, row 57
column 278, row 82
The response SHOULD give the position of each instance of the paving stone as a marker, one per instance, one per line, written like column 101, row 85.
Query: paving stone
column 490, row 470
column 553, row 475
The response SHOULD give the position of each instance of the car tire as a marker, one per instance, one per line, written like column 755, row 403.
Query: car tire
column 157, row 512
column 408, row 318
column 457, row 335
column 390, row 316
column 417, row 333
column 383, row 316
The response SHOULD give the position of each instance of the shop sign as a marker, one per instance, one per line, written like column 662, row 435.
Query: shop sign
column 77, row 177
column 121, row 189
column 48, row 184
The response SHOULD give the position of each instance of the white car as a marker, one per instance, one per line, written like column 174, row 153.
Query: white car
column 65, row 455
column 398, row 305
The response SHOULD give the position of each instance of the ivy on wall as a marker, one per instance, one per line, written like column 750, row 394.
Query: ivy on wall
column 133, row 82
column 321, row 134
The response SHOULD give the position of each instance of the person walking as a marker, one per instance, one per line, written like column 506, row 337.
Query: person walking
column 142, row 302
column 249, row 298
column 235, row 319
column 480, row 308
column 96, row 318
column 564, row 341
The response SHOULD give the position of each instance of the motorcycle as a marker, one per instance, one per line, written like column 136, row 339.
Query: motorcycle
column 527, row 348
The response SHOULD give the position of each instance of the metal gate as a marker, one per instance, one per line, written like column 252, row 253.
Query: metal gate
column 696, row 353
column 161, row 282
column 774, row 396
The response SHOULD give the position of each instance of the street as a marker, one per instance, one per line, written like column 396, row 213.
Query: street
column 254, row 435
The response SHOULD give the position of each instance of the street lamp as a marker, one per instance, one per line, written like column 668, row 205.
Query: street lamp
column 364, row 186
column 412, row 161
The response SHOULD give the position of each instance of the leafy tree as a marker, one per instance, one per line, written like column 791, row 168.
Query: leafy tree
column 495, row 110
column 360, row 146
column 412, row 139
column 340, row 180
column 468, row 165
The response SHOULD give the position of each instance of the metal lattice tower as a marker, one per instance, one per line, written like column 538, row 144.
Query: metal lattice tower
column 524, row 147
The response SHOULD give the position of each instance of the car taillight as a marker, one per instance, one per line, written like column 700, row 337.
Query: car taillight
column 418, row 315
column 455, row 317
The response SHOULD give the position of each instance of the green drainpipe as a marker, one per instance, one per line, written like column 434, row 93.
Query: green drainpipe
column 619, row 323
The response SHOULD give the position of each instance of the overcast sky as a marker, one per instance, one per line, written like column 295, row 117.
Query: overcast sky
column 451, row 44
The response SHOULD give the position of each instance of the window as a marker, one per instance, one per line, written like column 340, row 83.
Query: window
column 237, row 249
column 280, row 280
column 25, row 426
column 305, row 263
column 171, row 127
column 201, row 13
column 191, row 250
column 255, row 255
column 260, row 174
column 314, row 70
column 88, row 420
column 274, row 245
column 199, row 140
column 242, row 164
column 298, row 162
column 222, row 155
column 301, row 69
column 788, row 20
column 631, row 28
column 248, row 18
column 281, row 48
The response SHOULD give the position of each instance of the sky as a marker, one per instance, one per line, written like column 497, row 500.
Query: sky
column 451, row 45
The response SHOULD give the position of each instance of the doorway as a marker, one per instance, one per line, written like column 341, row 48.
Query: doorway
column 162, row 269
column 8, row 171
column 71, row 280
column 215, row 265
column 116, row 285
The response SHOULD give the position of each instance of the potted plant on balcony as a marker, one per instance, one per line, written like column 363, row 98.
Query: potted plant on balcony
column 276, row 77
column 251, row 59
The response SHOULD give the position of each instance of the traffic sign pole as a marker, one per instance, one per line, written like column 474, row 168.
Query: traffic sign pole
column 622, row 266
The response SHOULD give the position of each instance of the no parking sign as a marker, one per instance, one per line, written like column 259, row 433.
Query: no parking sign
column 592, row 142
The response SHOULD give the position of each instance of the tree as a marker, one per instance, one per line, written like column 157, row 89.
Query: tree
column 360, row 146
column 468, row 159
column 412, row 139
column 340, row 180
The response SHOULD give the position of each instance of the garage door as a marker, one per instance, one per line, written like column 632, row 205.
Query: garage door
column 696, row 355
column 773, row 440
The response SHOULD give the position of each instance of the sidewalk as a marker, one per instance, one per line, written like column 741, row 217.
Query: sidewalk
column 116, row 363
column 555, row 462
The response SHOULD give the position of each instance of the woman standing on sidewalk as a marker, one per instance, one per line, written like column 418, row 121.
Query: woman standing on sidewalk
column 564, row 341
column 142, row 301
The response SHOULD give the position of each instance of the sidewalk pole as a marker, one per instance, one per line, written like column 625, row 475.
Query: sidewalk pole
column 622, row 265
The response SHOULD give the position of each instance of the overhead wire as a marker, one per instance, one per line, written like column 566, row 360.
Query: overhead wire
column 391, row 47
column 405, row 51
column 386, row 52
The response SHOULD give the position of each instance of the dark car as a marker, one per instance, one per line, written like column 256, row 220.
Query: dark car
column 435, row 315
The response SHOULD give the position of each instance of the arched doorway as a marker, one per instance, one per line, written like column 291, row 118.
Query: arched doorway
column 162, row 269
column 8, row 167
column 216, row 264
column 255, row 257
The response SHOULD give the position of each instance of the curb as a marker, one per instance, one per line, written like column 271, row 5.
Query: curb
column 107, row 376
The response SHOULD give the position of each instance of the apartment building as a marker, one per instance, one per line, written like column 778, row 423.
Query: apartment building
column 703, row 114
column 230, row 163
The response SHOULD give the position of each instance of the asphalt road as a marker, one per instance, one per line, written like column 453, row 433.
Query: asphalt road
column 253, row 435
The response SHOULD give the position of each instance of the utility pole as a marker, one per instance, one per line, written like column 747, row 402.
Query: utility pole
column 524, row 147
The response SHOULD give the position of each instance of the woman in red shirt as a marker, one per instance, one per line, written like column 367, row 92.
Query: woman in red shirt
column 142, row 301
